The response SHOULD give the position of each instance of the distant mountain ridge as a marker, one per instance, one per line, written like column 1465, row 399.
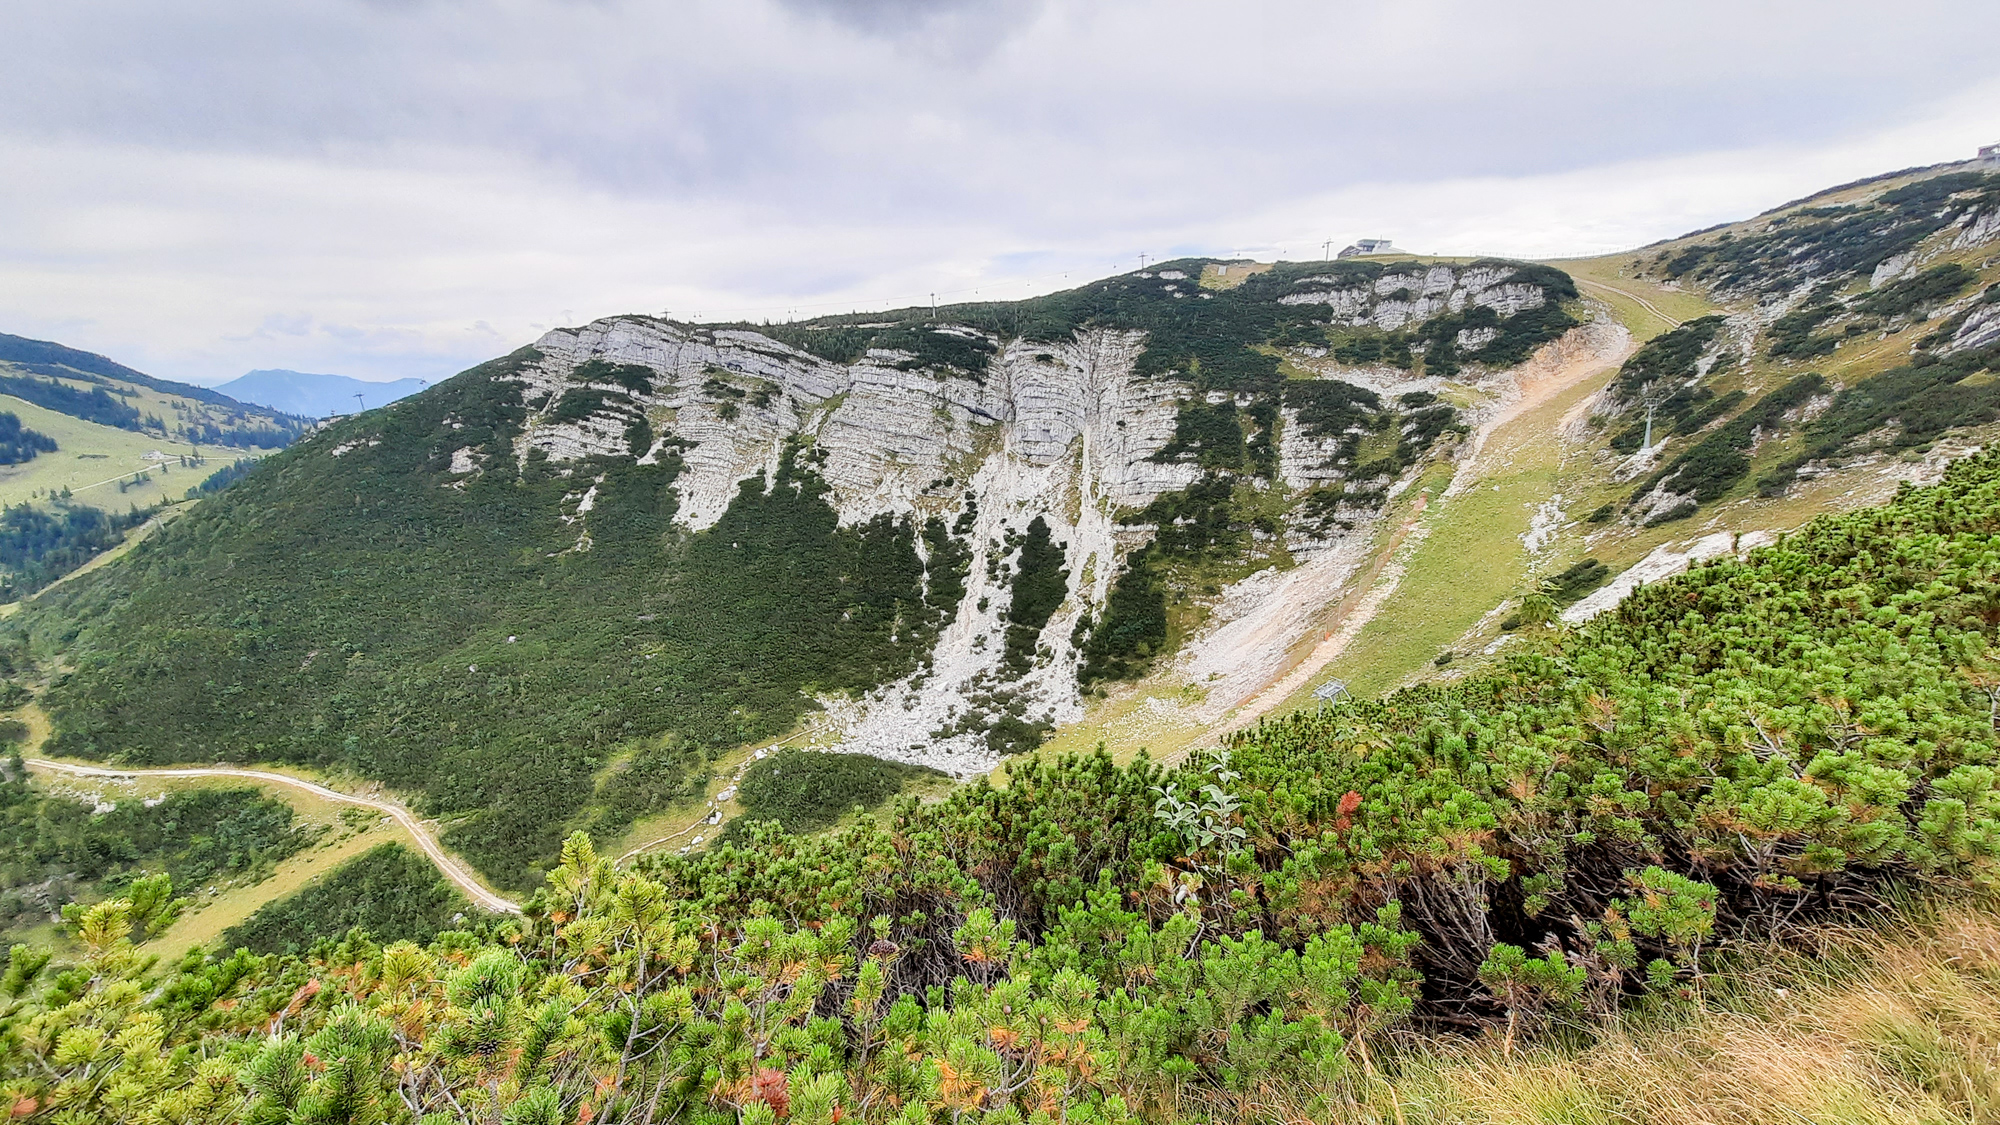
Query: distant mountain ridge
column 315, row 396
column 43, row 357
column 99, row 390
column 90, row 447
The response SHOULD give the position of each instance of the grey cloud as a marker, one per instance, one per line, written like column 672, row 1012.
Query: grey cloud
column 786, row 105
column 891, row 143
column 694, row 97
column 949, row 32
column 901, row 16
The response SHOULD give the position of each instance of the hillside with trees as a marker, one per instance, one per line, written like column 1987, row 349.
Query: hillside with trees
column 1859, row 324
column 1605, row 823
column 525, row 597
column 91, row 449
column 494, row 595
column 96, row 389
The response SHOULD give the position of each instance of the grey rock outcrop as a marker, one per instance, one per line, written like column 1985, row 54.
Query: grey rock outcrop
column 1069, row 431
column 890, row 430
column 1410, row 296
column 1065, row 431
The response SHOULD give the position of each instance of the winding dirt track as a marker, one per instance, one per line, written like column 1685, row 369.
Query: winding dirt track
column 1643, row 302
column 425, row 840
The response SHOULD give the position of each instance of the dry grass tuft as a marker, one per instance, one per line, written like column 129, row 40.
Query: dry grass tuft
column 1896, row 1023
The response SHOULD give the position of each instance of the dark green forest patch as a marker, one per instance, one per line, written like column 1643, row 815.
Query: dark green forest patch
column 55, row 849
column 1663, row 377
column 1133, row 629
column 1919, row 292
column 94, row 405
column 1668, row 357
column 18, row 443
column 1040, row 584
column 388, row 892
column 1576, row 580
column 1350, row 415
column 1708, row 469
column 1914, row 404
column 222, row 478
column 807, row 790
column 38, row 546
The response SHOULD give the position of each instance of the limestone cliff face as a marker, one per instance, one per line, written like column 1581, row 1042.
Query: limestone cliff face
column 1977, row 228
column 1408, row 296
column 893, row 434
column 1075, row 431
column 1980, row 329
column 1062, row 431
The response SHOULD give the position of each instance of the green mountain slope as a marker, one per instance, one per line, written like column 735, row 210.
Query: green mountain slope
column 532, row 637
column 1264, row 934
column 1857, row 323
column 124, row 444
column 350, row 609
column 57, row 850
column 545, row 594
column 1755, row 427
column 89, row 386
column 524, row 596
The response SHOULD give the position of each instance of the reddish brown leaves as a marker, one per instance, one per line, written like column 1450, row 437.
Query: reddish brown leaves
column 769, row 1086
column 1350, row 803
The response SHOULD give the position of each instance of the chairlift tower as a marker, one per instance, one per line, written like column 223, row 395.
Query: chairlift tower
column 1331, row 691
column 1652, row 403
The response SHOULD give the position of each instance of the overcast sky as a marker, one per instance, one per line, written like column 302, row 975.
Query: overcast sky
column 387, row 188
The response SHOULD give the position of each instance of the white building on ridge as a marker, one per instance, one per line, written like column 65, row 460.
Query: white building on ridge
column 1371, row 246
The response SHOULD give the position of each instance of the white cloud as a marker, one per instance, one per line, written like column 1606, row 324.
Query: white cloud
column 404, row 188
column 1626, row 204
